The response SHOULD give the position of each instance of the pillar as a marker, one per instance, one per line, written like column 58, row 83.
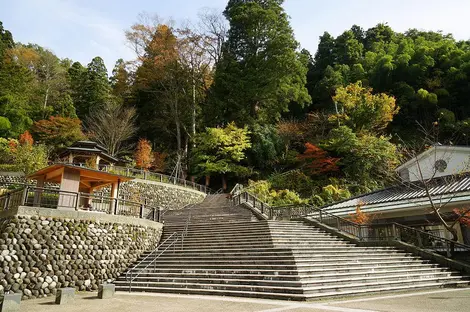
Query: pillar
column 113, row 195
column 70, row 183
column 38, row 192
column 70, row 158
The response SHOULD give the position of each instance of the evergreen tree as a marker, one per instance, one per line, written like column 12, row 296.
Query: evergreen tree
column 260, row 71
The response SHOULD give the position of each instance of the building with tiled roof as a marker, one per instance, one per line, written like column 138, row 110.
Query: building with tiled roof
column 441, row 171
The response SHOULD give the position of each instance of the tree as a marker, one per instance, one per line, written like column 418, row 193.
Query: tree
column 112, row 126
column 93, row 87
column 317, row 160
column 58, row 131
column 361, row 110
column 28, row 157
column 367, row 161
column 143, row 154
column 51, row 91
column 220, row 150
column 260, row 71
column 121, row 80
column 360, row 217
column 163, row 90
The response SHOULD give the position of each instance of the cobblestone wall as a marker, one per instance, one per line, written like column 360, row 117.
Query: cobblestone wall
column 39, row 254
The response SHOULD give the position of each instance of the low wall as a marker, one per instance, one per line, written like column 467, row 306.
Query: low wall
column 42, row 250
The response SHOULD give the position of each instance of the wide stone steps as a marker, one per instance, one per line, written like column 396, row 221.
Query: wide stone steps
column 293, row 289
column 214, row 290
column 377, row 285
column 307, row 284
column 292, row 260
column 171, row 257
column 218, row 280
column 384, row 288
column 334, row 276
column 226, row 251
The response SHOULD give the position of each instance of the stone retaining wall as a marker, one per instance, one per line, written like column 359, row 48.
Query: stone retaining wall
column 42, row 250
column 166, row 196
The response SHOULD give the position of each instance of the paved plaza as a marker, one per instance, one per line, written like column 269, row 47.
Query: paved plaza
column 448, row 300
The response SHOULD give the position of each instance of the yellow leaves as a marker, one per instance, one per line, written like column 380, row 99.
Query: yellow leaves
column 362, row 110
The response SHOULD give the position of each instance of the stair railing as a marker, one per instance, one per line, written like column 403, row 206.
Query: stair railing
column 185, row 230
column 244, row 197
column 130, row 276
column 13, row 199
column 377, row 232
column 363, row 232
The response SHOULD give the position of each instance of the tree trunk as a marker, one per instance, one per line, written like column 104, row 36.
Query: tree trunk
column 224, row 182
column 46, row 97
column 193, row 126
column 208, row 180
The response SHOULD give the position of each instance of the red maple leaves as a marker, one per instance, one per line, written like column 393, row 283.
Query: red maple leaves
column 318, row 161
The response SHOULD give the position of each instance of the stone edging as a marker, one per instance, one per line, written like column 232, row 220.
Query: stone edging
column 79, row 215
column 169, row 185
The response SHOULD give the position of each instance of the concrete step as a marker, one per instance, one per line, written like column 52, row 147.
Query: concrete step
column 219, row 280
column 383, row 289
column 291, row 289
column 298, row 261
column 370, row 286
column 218, row 292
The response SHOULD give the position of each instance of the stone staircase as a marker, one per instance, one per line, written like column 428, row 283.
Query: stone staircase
column 227, row 251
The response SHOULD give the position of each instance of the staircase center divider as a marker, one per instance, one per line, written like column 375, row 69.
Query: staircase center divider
column 131, row 276
column 362, row 232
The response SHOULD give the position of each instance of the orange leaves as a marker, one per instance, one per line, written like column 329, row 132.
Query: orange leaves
column 58, row 131
column 26, row 138
column 318, row 161
column 143, row 154
column 464, row 215
column 361, row 217
column 159, row 161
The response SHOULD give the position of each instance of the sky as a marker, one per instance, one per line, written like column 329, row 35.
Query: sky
column 83, row 29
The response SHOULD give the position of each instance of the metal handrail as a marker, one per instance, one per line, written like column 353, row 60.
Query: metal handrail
column 11, row 199
column 381, row 231
column 179, row 236
column 175, row 240
column 185, row 230
column 245, row 197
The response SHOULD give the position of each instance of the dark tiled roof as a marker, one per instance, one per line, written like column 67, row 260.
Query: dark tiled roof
column 402, row 193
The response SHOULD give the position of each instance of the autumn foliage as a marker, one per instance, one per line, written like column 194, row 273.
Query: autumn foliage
column 159, row 161
column 464, row 215
column 58, row 131
column 143, row 154
column 26, row 138
column 361, row 217
column 318, row 161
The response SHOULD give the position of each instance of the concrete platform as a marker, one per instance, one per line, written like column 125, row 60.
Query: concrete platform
column 449, row 300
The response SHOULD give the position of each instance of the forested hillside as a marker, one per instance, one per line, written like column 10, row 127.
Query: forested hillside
column 234, row 97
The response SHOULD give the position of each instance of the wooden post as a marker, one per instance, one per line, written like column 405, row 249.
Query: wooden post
column 394, row 231
column 7, row 202
column 113, row 195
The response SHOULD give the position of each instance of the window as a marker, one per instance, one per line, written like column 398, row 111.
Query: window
column 440, row 165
